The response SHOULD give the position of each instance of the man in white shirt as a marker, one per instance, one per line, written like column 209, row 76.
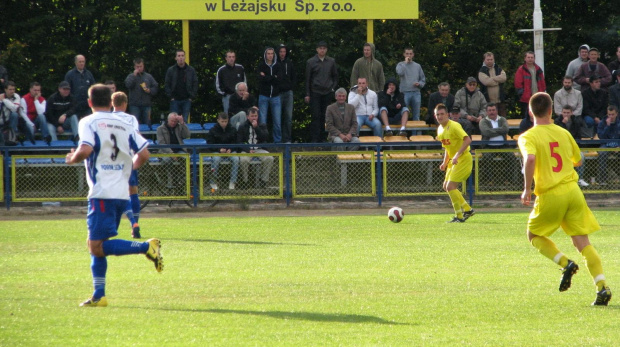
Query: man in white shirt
column 366, row 106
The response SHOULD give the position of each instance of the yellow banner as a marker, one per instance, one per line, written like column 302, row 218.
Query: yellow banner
column 278, row 9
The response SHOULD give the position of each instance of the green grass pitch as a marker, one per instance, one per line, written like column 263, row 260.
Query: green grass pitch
column 307, row 281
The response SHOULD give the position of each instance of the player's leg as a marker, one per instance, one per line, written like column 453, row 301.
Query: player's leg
column 578, row 223
column 459, row 173
column 133, row 210
column 546, row 217
column 103, row 221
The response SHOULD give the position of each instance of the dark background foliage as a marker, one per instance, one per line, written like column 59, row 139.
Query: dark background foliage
column 38, row 40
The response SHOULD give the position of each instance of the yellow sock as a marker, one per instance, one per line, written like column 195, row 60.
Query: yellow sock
column 547, row 248
column 456, row 203
column 595, row 266
column 464, row 205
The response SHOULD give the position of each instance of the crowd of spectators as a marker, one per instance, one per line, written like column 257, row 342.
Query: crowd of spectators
column 589, row 87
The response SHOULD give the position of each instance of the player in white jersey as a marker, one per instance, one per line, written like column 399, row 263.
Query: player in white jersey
column 111, row 147
column 132, row 211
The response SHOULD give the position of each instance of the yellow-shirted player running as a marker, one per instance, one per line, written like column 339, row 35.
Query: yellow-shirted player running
column 457, row 161
column 549, row 155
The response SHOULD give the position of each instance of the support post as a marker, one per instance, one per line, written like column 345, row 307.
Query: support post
column 370, row 29
column 186, row 40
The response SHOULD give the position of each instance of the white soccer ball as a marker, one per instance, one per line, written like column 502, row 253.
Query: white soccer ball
column 396, row 214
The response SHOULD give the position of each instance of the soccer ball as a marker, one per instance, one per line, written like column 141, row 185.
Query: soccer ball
column 396, row 214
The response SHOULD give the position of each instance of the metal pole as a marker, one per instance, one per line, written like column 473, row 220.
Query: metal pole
column 370, row 29
column 186, row 40
column 539, row 45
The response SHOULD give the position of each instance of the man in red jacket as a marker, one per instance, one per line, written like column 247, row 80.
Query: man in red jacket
column 529, row 79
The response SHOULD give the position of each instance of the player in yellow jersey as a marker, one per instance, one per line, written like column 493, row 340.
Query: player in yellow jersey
column 549, row 155
column 457, row 161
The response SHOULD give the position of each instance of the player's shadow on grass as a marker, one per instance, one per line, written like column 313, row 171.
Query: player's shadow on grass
column 244, row 242
column 310, row 316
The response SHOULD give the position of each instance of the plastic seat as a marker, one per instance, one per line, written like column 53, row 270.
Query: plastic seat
column 194, row 126
column 208, row 126
column 144, row 127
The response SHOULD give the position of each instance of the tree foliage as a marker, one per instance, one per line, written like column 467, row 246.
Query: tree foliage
column 39, row 39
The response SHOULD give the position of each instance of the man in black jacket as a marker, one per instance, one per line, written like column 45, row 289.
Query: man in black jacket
column 227, row 77
column 269, row 77
column 239, row 104
column 392, row 108
column 181, row 86
column 321, row 82
column 441, row 96
column 252, row 133
column 225, row 134
column 60, row 112
column 287, row 83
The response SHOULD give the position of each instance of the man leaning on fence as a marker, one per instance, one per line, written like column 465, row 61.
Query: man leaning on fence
column 341, row 122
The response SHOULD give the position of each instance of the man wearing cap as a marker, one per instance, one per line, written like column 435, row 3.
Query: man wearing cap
column 321, row 81
column 575, row 64
column 60, row 112
column 471, row 103
column 590, row 68
column 455, row 115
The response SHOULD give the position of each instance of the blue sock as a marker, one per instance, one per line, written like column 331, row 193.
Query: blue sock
column 98, row 266
column 124, row 247
column 135, row 206
column 129, row 213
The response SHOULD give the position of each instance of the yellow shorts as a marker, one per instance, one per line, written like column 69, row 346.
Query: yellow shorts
column 462, row 170
column 563, row 206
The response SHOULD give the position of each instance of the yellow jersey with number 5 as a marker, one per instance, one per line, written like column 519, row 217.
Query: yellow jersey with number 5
column 451, row 137
column 555, row 151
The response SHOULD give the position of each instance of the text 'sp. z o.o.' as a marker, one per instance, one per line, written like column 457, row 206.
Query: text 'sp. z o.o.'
column 259, row 6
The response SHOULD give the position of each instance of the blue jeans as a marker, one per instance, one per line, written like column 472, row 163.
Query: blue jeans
column 374, row 124
column 413, row 100
column 286, row 98
column 226, row 102
column 215, row 164
column 264, row 104
column 13, row 117
column 71, row 123
column 142, row 113
column 181, row 107
column 41, row 123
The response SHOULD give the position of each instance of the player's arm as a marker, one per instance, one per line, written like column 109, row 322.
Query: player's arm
column 140, row 158
column 529, row 164
column 446, row 159
column 78, row 156
column 457, row 155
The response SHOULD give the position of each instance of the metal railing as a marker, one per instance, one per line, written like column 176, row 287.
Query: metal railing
column 379, row 170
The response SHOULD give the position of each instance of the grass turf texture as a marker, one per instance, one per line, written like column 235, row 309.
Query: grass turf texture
column 358, row 280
